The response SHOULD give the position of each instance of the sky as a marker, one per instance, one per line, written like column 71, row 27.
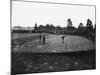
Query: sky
column 28, row 13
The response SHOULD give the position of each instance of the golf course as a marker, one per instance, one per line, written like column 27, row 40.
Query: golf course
column 30, row 55
column 53, row 44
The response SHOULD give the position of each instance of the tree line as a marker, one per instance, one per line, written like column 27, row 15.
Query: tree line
column 70, row 29
column 87, row 30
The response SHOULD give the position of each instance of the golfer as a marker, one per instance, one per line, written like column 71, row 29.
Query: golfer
column 63, row 38
column 40, row 37
column 44, row 39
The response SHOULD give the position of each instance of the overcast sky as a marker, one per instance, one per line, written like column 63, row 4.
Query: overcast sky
column 29, row 13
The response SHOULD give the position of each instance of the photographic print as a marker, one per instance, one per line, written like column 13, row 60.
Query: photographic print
column 52, row 37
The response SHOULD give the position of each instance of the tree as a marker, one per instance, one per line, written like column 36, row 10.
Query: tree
column 80, row 27
column 47, row 26
column 58, row 27
column 35, row 27
column 40, row 26
column 52, row 26
column 89, row 25
column 69, row 23
column 70, row 28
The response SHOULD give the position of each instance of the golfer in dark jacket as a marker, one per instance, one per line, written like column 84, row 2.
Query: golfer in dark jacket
column 44, row 39
column 63, row 38
column 40, row 37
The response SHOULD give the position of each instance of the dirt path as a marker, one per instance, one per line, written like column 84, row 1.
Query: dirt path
column 54, row 44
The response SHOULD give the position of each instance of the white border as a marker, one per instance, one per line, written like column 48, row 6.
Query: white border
column 5, row 37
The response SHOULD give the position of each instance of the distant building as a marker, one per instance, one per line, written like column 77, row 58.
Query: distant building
column 19, row 29
column 22, row 28
column 16, row 28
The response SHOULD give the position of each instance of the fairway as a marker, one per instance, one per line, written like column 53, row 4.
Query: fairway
column 54, row 44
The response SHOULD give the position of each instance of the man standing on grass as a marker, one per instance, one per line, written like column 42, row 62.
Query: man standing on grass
column 63, row 38
column 44, row 39
column 40, row 37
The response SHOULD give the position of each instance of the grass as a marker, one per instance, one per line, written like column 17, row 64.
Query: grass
column 27, row 62
column 53, row 44
column 23, row 63
column 20, row 39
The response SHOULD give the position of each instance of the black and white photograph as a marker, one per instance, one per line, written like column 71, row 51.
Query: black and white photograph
column 52, row 37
